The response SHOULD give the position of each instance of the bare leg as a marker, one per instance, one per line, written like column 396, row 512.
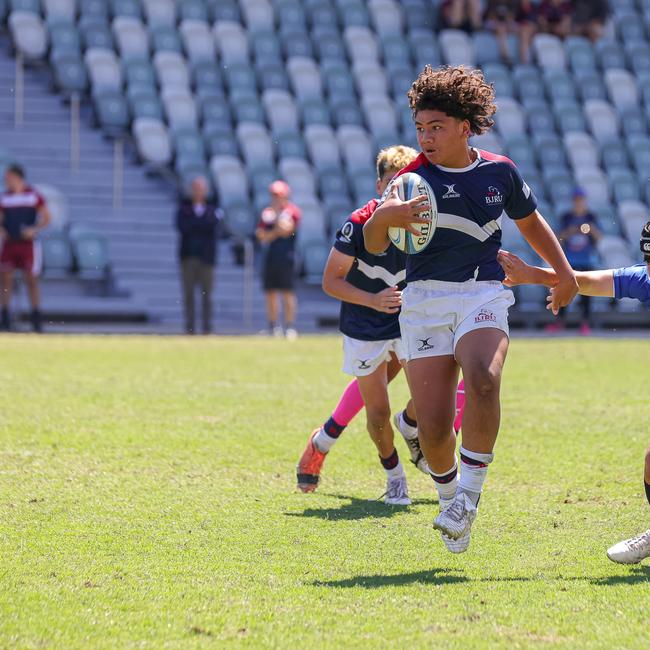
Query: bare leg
column 289, row 306
column 481, row 354
column 374, row 390
column 526, row 33
column 647, row 467
column 475, row 14
column 272, row 307
column 433, row 388
column 33, row 290
column 7, row 286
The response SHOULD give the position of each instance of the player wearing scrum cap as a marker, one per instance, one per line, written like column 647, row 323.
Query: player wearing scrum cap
column 369, row 288
column 629, row 282
column 454, row 308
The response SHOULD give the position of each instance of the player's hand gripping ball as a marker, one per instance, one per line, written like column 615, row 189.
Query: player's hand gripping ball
column 409, row 186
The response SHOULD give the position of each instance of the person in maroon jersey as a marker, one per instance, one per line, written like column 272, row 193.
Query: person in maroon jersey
column 276, row 231
column 23, row 214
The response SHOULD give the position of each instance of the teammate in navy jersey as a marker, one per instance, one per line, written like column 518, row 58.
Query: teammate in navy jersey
column 369, row 288
column 23, row 214
column 455, row 309
column 629, row 282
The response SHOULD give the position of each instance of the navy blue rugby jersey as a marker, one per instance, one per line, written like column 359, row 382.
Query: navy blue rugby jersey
column 372, row 273
column 472, row 202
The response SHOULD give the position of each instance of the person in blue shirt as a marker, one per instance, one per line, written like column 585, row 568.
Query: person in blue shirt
column 579, row 234
column 454, row 308
column 629, row 282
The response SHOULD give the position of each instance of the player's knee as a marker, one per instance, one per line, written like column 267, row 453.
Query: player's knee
column 647, row 461
column 482, row 380
column 435, row 430
column 378, row 416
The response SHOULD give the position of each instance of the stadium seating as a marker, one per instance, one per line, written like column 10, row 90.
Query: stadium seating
column 311, row 90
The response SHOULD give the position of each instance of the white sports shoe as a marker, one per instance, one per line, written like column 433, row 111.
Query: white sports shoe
column 277, row 332
column 397, row 493
column 457, row 518
column 459, row 545
column 291, row 334
column 631, row 551
column 417, row 457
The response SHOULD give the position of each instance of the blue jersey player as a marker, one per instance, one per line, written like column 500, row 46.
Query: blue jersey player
column 630, row 282
column 454, row 308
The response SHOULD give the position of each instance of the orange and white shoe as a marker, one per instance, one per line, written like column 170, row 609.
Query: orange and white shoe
column 309, row 466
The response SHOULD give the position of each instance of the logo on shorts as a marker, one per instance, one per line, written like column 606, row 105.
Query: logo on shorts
column 485, row 316
column 363, row 364
column 425, row 345
column 451, row 192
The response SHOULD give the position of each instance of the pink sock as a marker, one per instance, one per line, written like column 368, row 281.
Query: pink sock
column 460, row 406
column 349, row 405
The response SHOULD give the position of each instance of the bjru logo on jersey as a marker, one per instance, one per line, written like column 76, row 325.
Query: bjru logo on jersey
column 494, row 196
column 451, row 192
column 485, row 316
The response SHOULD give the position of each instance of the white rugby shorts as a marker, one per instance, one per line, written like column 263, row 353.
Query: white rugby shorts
column 435, row 315
column 361, row 358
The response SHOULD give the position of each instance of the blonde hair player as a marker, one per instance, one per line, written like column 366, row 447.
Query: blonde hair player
column 369, row 288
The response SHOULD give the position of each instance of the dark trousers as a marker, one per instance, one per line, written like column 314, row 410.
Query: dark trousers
column 196, row 273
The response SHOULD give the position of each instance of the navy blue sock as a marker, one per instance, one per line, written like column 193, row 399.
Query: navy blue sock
column 332, row 428
column 647, row 491
column 390, row 462
column 407, row 419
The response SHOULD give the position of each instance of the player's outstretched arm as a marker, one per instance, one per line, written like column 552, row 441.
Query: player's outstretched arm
column 393, row 213
column 334, row 284
column 590, row 283
column 540, row 236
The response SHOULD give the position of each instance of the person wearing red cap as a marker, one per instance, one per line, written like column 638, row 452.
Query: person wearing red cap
column 276, row 231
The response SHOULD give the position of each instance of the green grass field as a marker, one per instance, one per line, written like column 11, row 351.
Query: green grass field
column 147, row 500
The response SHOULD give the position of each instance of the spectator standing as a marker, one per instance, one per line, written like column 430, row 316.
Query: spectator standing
column 198, row 220
column 579, row 234
column 554, row 17
column 276, row 231
column 506, row 17
column 589, row 17
column 23, row 214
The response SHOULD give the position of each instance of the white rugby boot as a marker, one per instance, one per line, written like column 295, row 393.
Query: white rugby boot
column 397, row 493
column 417, row 457
column 631, row 551
column 457, row 518
column 459, row 545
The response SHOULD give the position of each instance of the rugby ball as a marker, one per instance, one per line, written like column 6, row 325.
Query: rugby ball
column 409, row 186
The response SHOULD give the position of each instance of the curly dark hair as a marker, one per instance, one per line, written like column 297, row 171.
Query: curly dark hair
column 457, row 92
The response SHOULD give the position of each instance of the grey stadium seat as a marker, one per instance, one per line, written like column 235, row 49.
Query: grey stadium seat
column 232, row 42
column 581, row 150
column 57, row 255
column 625, row 186
column 361, row 44
column 166, row 39
column 315, row 112
column 216, row 110
column 59, row 10
column 104, row 69
column 281, row 110
column 152, row 141
column 305, row 78
column 131, row 37
column 64, row 39
column 257, row 14
column 171, row 70
column 230, row 180
column 548, row 51
column 499, row 75
column 290, row 145
column 272, row 76
column 509, row 117
column 180, row 108
column 90, row 252
column 112, row 112
column 96, row 35
column 602, row 119
column 193, row 10
column 457, row 47
column 386, row 17
column 297, row 44
column 267, row 48
column 70, row 75
column 140, row 72
column 160, row 12
column 129, row 8
column 197, row 40
column 355, row 147
column 314, row 253
column 28, row 34
column 220, row 141
column 146, row 104
column 370, row 79
column 227, row 10
column 322, row 146
column 486, row 48
column 622, row 88
column 255, row 144
column 188, row 143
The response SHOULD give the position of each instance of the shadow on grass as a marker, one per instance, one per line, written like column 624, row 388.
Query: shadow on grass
column 431, row 576
column 357, row 509
column 637, row 575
